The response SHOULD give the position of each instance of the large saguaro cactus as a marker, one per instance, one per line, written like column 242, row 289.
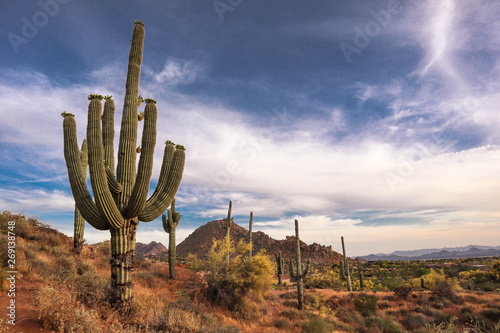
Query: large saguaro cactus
column 121, row 202
column 297, row 274
column 79, row 224
column 171, row 222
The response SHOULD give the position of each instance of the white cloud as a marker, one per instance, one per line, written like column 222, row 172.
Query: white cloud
column 35, row 200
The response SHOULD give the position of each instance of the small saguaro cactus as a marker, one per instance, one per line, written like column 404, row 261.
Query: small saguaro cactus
column 171, row 222
column 422, row 283
column 250, row 235
column 121, row 201
column 298, row 274
column 361, row 278
column 280, row 270
column 79, row 226
column 227, row 229
column 346, row 274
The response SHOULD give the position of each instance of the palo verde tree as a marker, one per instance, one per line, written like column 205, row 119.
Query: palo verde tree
column 120, row 201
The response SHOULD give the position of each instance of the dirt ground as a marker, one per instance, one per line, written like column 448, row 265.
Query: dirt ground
column 26, row 311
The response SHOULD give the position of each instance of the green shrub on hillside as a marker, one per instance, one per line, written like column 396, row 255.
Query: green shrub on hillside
column 229, row 282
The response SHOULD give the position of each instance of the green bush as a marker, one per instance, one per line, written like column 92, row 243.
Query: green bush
column 315, row 325
column 403, row 291
column 282, row 323
column 229, row 282
column 366, row 304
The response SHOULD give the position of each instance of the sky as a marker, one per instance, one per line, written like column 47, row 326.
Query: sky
column 377, row 121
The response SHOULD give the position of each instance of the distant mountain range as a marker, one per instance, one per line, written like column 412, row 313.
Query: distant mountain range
column 470, row 251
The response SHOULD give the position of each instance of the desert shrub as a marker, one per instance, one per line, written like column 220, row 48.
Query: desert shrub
column 478, row 324
column 443, row 289
column 174, row 320
column 324, row 279
column 444, row 326
column 494, row 270
column 386, row 325
column 350, row 317
column 414, row 321
column 390, row 326
column 229, row 283
column 366, row 304
column 58, row 310
column 314, row 300
column 92, row 288
column 291, row 314
column 282, row 323
column 289, row 295
column 403, row 291
column 491, row 314
column 315, row 325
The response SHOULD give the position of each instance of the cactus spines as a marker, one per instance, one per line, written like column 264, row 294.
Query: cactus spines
column 120, row 203
column 346, row 274
column 298, row 274
column 250, row 235
column 280, row 269
column 79, row 220
column 169, row 224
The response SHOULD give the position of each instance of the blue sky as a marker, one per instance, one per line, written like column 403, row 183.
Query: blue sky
column 373, row 120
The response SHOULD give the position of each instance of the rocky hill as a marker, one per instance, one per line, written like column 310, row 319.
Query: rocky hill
column 200, row 241
column 151, row 249
column 319, row 254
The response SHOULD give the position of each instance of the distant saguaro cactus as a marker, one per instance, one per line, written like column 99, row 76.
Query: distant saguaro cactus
column 250, row 235
column 79, row 225
column 170, row 223
column 280, row 270
column 297, row 274
column 227, row 236
column 121, row 201
column 361, row 278
column 344, row 267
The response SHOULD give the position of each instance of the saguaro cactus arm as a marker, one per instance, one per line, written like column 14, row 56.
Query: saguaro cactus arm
column 170, row 223
column 78, row 185
column 139, row 195
column 168, row 182
column 104, row 200
column 108, row 133
column 79, row 221
column 114, row 186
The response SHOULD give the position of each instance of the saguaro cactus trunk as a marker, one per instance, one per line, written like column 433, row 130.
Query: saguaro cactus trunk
column 227, row 234
column 250, row 235
column 280, row 262
column 79, row 225
column 346, row 272
column 297, row 274
column 121, row 202
column 170, row 223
